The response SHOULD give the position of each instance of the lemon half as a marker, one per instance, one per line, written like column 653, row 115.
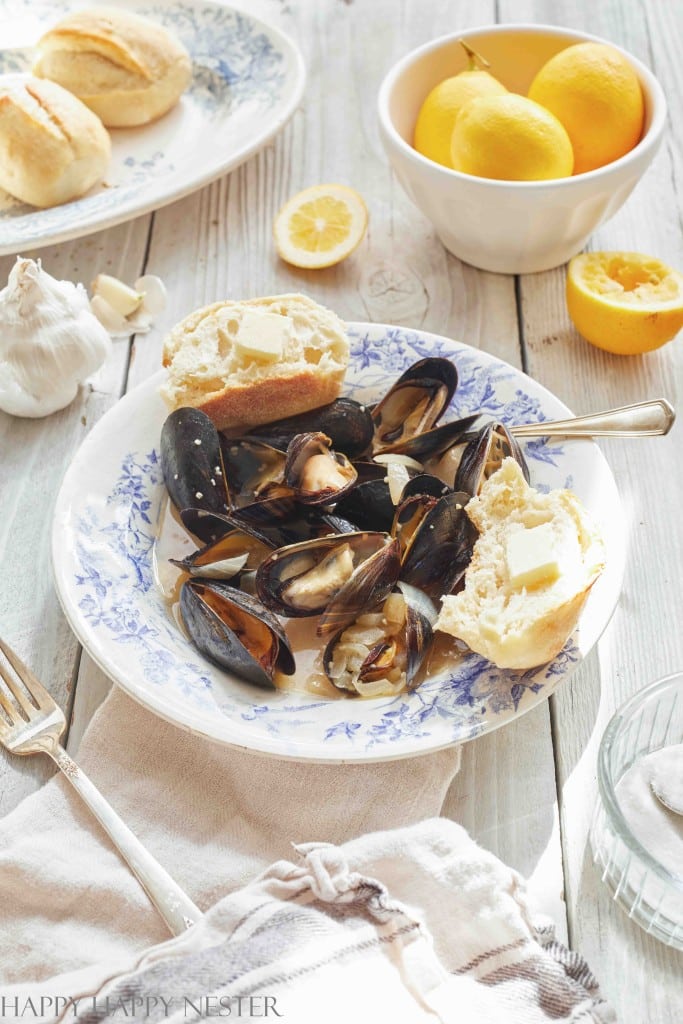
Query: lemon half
column 320, row 226
column 624, row 302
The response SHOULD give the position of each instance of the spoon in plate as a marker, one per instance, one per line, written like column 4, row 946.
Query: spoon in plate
column 642, row 419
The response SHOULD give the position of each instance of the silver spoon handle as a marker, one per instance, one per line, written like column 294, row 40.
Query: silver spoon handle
column 643, row 419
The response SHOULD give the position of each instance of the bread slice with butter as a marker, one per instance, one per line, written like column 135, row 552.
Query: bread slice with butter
column 533, row 565
column 251, row 362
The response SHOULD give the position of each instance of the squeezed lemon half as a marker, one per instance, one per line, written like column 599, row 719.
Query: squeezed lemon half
column 624, row 302
column 320, row 226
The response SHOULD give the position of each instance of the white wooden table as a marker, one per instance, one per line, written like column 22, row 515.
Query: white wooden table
column 527, row 791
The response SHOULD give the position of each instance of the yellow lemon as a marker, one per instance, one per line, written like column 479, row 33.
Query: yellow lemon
column 594, row 91
column 434, row 125
column 624, row 302
column 511, row 138
column 320, row 226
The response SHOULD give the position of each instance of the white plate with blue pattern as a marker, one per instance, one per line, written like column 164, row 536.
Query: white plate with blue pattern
column 247, row 81
column 105, row 524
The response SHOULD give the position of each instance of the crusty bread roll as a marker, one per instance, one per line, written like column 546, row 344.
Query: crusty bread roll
column 517, row 626
column 126, row 68
column 210, row 369
column 52, row 148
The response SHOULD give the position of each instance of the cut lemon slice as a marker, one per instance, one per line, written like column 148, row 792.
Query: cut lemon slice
column 624, row 302
column 320, row 226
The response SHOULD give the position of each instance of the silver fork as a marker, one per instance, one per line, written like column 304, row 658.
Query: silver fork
column 31, row 723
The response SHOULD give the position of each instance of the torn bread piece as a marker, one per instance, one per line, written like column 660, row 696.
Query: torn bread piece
column 251, row 362
column 533, row 565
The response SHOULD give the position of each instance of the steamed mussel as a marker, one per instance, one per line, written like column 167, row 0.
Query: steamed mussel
column 235, row 631
column 365, row 548
column 381, row 651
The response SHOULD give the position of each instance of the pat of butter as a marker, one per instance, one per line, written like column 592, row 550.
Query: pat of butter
column 263, row 335
column 533, row 556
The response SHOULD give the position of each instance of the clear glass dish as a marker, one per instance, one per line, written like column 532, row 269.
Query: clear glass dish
column 650, row 893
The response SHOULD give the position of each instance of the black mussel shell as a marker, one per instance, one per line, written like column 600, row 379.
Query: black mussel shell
column 228, row 557
column 416, row 402
column 235, row 631
column 484, row 454
column 302, row 579
column 433, row 442
column 441, row 547
column 373, row 581
column 408, row 517
column 425, row 483
column 192, row 466
column 316, row 473
column 410, row 645
column 347, row 423
column 254, row 470
column 369, row 504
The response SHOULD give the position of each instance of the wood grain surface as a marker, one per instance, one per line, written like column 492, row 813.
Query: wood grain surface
column 527, row 791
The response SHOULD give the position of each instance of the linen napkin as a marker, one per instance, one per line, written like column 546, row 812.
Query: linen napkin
column 407, row 923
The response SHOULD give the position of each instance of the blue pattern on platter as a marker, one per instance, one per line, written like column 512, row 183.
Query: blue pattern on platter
column 242, row 75
column 111, row 584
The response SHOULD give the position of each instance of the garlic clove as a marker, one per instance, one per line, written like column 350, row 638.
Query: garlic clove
column 112, row 321
column 121, row 298
column 154, row 294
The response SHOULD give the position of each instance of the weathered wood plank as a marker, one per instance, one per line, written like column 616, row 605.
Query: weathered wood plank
column 35, row 454
column 643, row 640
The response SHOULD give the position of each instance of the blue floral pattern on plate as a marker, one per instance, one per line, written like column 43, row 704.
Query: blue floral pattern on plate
column 106, row 582
column 247, row 80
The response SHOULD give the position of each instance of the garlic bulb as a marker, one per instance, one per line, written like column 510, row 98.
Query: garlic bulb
column 49, row 341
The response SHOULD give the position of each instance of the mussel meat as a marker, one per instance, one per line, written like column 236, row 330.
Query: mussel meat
column 370, row 583
column 302, row 579
column 316, row 473
column 235, row 631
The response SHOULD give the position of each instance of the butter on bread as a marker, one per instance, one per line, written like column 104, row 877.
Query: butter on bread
column 533, row 565
column 250, row 362
column 127, row 69
column 52, row 148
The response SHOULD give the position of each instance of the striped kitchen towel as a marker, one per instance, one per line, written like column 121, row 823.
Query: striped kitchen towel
column 414, row 925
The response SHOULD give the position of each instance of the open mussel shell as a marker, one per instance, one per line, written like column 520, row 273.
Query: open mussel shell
column 381, row 651
column 229, row 556
column 425, row 483
column 415, row 402
column 409, row 516
column 255, row 470
column 435, row 442
column 347, row 423
column 369, row 584
column 440, row 547
column 302, row 579
column 484, row 454
column 317, row 474
column 192, row 467
column 235, row 631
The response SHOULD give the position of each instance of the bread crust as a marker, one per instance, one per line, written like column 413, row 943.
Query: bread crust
column 243, row 398
column 52, row 148
column 127, row 69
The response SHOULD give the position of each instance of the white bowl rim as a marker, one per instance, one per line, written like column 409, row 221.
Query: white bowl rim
column 608, row 798
column 649, row 139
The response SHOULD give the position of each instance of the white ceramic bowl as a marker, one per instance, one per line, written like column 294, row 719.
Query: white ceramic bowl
column 512, row 227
